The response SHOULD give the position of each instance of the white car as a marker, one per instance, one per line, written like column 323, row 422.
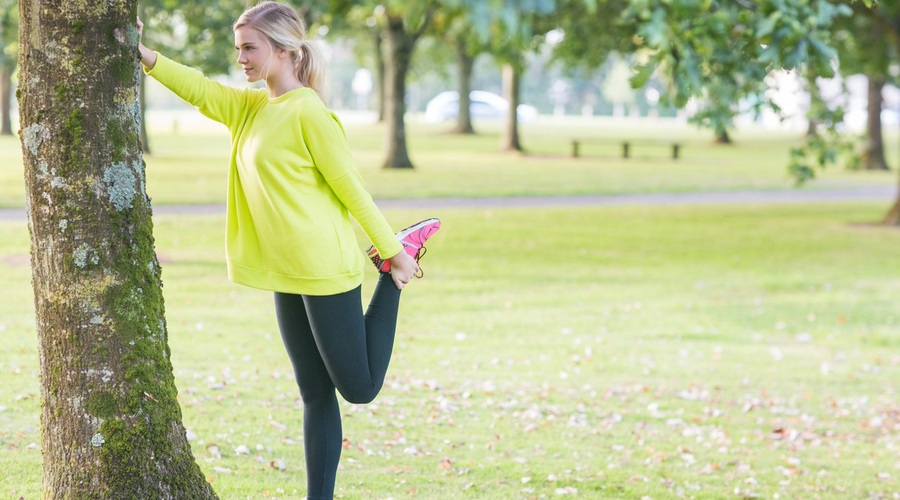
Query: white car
column 482, row 106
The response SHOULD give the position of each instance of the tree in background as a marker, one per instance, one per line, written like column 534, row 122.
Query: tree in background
column 860, row 40
column 452, row 25
column 515, row 28
column 403, row 24
column 194, row 32
column 886, row 16
column 9, row 59
column 594, row 38
column 357, row 23
column 766, row 35
column 111, row 423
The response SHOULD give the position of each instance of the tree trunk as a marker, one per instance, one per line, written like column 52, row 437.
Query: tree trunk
column 893, row 216
column 379, row 73
column 6, row 101
column 873, row 155
column 465, row 62
column 399, row 56
column 722, row 137
column 812, row 128
column 510, row 138
column 142, row 99
column 111, row 424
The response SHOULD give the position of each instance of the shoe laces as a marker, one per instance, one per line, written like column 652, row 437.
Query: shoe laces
column 419, row 254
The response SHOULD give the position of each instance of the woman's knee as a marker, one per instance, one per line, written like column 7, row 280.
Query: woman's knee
column 359, row 395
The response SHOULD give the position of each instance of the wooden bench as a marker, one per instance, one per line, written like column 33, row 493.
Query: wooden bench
column 626, row 146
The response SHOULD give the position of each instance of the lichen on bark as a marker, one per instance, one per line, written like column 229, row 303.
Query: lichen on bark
column 110, row 417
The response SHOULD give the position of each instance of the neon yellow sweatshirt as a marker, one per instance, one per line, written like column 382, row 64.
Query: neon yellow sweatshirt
column 292, row 187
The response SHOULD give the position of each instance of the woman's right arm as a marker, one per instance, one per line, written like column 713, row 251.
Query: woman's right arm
column 219, row 102
column 148, row 57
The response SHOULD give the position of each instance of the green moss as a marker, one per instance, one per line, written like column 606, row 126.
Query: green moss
column 150, row 404
column 101, row 352
column 102, row 404
column 77, row 63
column 123, row 68
column 78, row 27
column 117, row 140
column 61, row 91
column 74, row 130
column 73, row 137
column 55, row 377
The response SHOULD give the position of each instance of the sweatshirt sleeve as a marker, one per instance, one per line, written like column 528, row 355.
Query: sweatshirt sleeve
column 327, row 142
column 216, row 101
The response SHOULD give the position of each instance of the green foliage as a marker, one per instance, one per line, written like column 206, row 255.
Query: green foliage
column 592, row 32
column 721, row 53
column 729, row 48
column 195, row 32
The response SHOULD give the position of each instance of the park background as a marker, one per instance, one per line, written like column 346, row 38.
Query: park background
column 597, row 326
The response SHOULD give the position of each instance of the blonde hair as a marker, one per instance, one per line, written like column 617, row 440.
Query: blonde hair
column 285, row 30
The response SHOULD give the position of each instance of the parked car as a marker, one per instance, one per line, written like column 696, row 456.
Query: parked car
column 482, row 106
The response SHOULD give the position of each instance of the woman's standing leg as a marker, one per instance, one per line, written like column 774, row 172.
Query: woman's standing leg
column 333, row 346
column 322, row 436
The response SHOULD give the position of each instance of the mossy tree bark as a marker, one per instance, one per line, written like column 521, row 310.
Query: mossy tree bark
column 111, row 424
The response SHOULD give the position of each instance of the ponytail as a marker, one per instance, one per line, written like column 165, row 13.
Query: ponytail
column 310, row 66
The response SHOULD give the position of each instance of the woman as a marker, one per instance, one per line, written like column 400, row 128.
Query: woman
column 291, row 191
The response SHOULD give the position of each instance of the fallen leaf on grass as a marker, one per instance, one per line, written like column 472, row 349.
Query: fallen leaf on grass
column 398, row 470
column 710, row 468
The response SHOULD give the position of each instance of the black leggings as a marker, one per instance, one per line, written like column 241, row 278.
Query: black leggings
column 333, row 346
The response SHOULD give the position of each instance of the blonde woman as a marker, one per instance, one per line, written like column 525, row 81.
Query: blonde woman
column 292, row 188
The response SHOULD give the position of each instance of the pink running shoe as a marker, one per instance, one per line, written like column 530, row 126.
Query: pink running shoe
column 413, row 240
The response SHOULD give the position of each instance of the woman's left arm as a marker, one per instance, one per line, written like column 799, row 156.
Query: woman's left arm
column 325, row 138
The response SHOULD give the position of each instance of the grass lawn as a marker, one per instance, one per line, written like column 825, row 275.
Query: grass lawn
column 601, row 352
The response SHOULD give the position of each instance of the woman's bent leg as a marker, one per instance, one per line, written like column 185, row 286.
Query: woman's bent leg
column 321, row 414
column 356, row 349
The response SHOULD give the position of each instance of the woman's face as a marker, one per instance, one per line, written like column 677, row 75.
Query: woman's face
column 254, row 54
